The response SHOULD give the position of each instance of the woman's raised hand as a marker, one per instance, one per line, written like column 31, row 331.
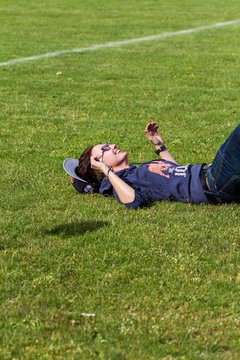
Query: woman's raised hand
column 99, row 165
column 151, row 131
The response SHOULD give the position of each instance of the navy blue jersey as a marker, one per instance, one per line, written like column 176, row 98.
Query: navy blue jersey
column 160, row 180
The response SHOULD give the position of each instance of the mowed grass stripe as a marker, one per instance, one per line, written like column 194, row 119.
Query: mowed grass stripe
column 123, row 42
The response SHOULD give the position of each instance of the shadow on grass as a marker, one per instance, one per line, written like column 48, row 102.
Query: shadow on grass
column 75, row 228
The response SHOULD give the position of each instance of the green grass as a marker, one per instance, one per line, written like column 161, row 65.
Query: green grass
column 163, row 282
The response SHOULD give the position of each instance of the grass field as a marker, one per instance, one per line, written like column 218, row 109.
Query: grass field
column 161, row 282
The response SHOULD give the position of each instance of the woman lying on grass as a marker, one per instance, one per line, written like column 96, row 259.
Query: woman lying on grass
column 106, row 168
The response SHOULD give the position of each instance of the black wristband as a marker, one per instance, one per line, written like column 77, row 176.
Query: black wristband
column 160, row 149
column 109, row 169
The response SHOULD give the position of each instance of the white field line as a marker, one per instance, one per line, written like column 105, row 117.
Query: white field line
column 123, row 42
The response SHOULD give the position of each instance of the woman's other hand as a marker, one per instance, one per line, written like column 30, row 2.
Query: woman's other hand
column 151, row 131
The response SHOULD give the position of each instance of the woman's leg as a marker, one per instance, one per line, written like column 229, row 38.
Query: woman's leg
column 223, row 175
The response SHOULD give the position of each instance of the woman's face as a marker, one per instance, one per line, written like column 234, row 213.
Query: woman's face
column 109, row 154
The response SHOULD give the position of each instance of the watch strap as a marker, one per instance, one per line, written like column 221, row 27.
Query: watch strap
column 160, row 149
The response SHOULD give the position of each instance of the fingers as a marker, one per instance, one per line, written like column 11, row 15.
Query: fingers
column 151, row 127
column 94, row 162
column 97, row 164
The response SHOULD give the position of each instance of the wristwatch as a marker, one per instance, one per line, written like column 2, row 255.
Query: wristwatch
column 160, row 149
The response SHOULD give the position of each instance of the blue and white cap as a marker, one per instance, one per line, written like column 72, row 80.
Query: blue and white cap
column 80, row 185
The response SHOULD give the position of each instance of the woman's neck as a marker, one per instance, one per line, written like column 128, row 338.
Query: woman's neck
column 120, row 167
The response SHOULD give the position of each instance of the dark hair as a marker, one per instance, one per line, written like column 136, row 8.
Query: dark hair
column 84, row 169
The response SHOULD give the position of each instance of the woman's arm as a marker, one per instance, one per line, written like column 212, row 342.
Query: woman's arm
column 153, row 136
column 125, row 192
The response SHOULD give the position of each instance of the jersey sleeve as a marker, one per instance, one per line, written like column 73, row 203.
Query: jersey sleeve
column 139, row 200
